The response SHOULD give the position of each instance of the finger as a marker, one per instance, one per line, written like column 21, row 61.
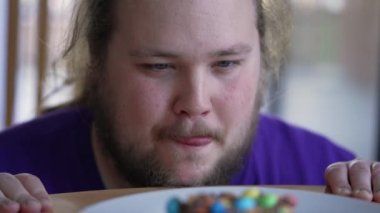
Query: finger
column 360, row 179
column 8, row 206
column 336, row 176
column 14, row 190
column 376, row 181
column 36, row 189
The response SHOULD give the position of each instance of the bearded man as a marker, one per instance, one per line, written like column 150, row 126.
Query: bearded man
column 169, row 95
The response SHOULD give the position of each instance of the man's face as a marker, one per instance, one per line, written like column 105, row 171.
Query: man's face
column 179, row 91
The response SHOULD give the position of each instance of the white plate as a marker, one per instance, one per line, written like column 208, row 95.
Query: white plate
column 155, row 202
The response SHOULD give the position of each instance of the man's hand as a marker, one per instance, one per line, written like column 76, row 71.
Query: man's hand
column 356, row 178
column 23, row 193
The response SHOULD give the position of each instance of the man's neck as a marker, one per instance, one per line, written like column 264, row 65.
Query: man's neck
column 110, row 177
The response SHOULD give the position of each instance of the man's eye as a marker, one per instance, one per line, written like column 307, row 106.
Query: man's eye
column 226, row 64
column 157, row 67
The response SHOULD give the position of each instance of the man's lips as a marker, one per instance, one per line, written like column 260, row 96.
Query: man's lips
column 194, row 141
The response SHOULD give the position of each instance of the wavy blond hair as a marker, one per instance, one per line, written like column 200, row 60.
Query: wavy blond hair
column 93, row 23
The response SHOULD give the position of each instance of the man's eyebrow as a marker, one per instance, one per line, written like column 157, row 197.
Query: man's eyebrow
column 152, row 53
column 237, row 49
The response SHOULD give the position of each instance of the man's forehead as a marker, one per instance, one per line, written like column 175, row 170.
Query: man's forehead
column 203, row 15
column 199, row 7
column 174, row 28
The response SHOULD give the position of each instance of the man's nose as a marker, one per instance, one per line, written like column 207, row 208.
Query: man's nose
column 193, row 95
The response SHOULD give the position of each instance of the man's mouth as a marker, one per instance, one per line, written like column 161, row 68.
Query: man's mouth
column 196, row 141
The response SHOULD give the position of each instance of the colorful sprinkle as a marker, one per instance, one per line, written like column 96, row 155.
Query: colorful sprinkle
column 250, row 201
column 218, row 207
column 284, row 210
column 253, row 193
column 291, row 200
column 267, row 201
column 173, row 206
column 245, row 203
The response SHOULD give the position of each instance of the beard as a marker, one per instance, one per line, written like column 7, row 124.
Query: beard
column 141, row 168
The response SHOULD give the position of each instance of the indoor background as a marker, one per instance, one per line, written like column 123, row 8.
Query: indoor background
column 329, row 84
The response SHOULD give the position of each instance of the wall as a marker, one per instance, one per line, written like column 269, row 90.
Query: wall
column 3, row 57
column 330, row 84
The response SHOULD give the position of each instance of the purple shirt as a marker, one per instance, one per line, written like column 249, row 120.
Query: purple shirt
column 57, row 148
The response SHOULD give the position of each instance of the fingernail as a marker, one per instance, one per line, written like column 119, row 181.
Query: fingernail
column 9, row 206
column 7, row 203
column 47, row 202
column 344, row 191
column 363, row 193
column 375, row 165
column 31, row 203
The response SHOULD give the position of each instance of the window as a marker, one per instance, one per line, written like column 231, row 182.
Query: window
column 40, row 28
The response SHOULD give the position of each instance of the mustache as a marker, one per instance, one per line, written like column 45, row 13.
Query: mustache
column 184, row 128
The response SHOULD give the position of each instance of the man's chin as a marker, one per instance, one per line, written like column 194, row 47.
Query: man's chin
column 189, row 175
column 185, row 181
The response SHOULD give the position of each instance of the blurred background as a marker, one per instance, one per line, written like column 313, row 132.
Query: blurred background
column 330, row 83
